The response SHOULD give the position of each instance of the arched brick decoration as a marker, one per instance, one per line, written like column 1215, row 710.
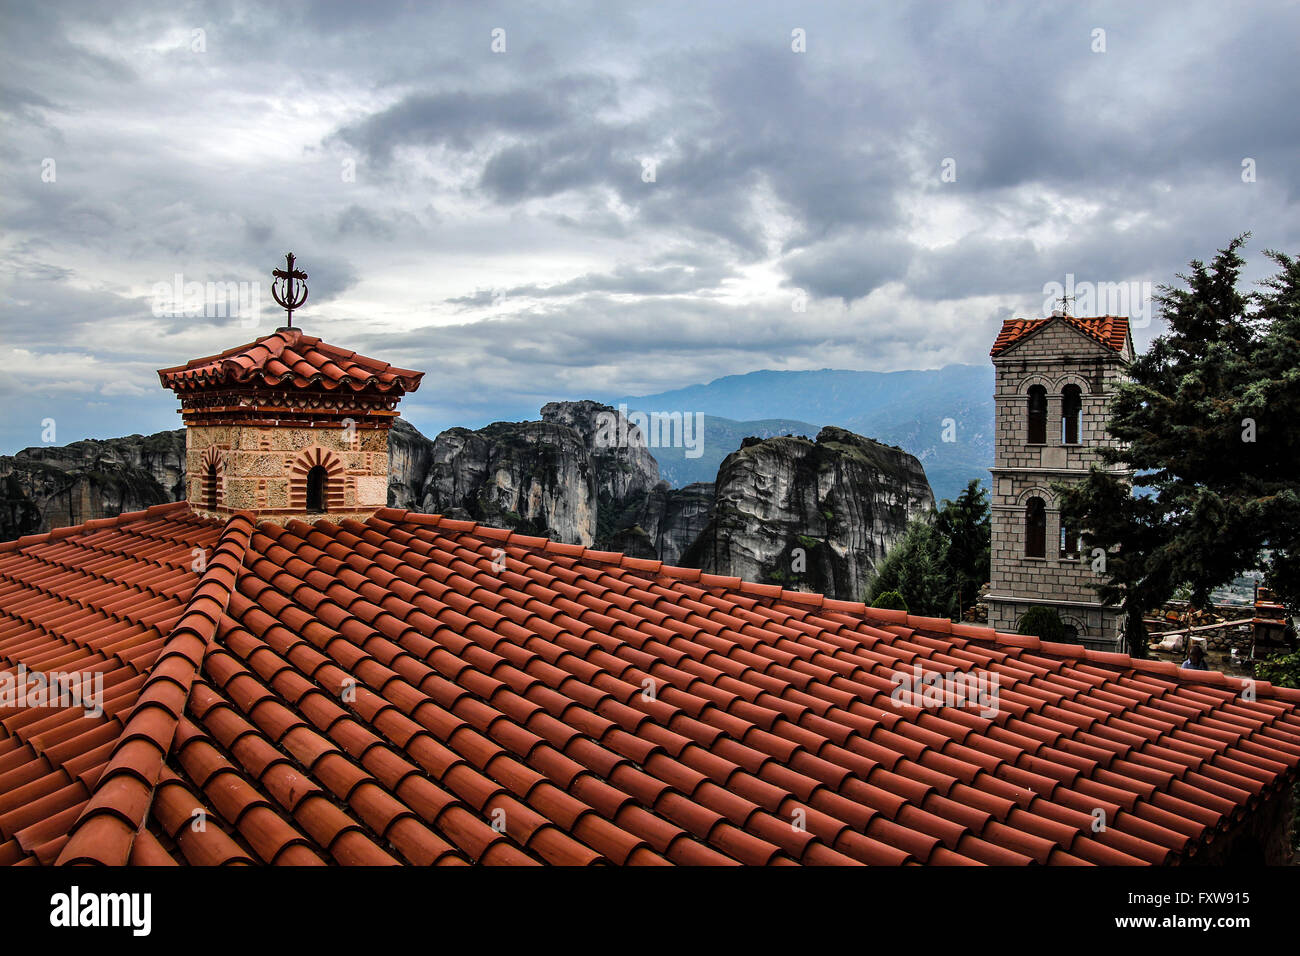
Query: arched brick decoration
column 1037, row 491
column 212, row 478
column 1023, row 385
column 304, row 463
column 1071, row 378
column 1070, row 620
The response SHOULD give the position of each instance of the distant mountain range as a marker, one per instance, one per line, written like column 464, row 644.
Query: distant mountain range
column 49, row 487
column 909, row 409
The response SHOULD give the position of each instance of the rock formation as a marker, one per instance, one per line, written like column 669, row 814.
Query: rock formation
column 810, row 515
column 552, row 477
column 48, row 487
column 664, row 523
column 816, row 515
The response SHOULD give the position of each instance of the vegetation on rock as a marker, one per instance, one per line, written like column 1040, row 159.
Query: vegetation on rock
column 942, row 559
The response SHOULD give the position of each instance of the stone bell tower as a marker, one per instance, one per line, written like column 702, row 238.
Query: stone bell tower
column 1055, row 378
column 288, row 427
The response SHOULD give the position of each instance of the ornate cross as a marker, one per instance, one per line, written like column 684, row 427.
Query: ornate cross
column 1065, row 301
column 287, row 296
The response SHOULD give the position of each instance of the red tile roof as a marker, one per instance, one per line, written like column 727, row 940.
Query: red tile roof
column 415, row 689
column 288, row 357
column 1110, row 330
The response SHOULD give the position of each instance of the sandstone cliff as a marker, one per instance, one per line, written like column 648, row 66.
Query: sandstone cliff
column 623, row 473
column 811, row 515
column 533, row 477
column 663, row 523
column 409, row 455
column 551, row 477
column 50, row 487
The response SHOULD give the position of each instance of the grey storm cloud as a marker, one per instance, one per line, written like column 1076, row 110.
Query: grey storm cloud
column 460, row 118
column 850, row 267
column 626, row 280
column 490, row 217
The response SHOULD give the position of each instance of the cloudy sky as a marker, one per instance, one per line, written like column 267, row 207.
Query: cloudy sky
column 603, row 199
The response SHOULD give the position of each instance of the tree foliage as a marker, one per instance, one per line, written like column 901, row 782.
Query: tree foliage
column 965, row 529
column 1043, row 622
column 1282, row 670
column 938, row 565
column 1209, row 425
column 890, row 600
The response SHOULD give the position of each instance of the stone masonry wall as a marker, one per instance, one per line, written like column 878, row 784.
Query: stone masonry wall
column 1097, row 627
column 263, row 469
column 1055, row 357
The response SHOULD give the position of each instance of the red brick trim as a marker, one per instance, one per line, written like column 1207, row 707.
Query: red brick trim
column 305, row 462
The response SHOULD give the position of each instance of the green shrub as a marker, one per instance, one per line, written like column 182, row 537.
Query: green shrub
column 890, row 600
column 1043, row 622
column 1283, row 670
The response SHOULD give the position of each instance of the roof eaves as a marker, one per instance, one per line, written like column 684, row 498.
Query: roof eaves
column 1028, row 330
column 246, row 364
column 1096, row 328
column 95, row 524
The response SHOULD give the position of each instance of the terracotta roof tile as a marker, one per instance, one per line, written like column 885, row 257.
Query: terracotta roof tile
column 1110, row 330
column 377, row 693
column 291, row 357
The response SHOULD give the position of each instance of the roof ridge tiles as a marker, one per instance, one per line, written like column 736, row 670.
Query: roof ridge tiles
column 565, row 550
column 649, row 565
column 118, row 807
column 802, row 597
column 760, row 590
column 719, row 581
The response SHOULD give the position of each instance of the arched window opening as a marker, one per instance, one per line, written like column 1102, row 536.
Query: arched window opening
column 1071, row 414
column 1070, row 539
column 316, row 489
column 1036, row 529
column 1037, row 415
column 210, row 488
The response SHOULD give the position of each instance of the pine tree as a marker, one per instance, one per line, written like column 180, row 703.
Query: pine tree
column 916, row 569
column 965, row 528
column 942, row 558
column 1272, row 401
column 1208, row 426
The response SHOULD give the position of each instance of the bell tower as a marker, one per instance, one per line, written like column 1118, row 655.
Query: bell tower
column 288, row 426
column 1055, row 378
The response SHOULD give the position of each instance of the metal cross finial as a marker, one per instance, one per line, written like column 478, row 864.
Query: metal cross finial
column 288, row 296
column 1065, row 301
